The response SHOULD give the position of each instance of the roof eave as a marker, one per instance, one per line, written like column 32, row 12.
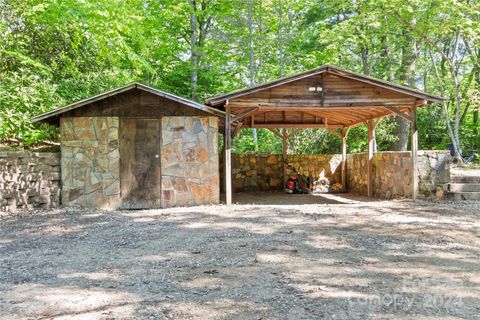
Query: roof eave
column 50, row 114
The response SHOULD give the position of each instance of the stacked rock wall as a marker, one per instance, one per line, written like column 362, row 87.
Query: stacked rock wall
column 189, row 162
column 434, row 169
column 90, row 161
column 391, row 171
column 29, row 180
column 392, row 174
column 265, row 172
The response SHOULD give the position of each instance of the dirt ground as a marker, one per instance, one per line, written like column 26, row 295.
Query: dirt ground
column 283, row 257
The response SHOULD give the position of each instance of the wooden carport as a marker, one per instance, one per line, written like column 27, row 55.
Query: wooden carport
column 327, row 97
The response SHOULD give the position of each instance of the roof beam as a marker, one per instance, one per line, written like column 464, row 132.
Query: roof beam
column 399, row 113
column 335, row 132
column 275, row 132
column 294, row 125
column 236, row 129
column 243, row 114
column 287, row 106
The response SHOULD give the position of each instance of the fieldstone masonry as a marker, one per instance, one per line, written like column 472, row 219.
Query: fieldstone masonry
column 90, row 161
column 90, row 168
column 189, row 163
column 29, row 180
column 265, row 172
column 391, row 171
column 392, row 174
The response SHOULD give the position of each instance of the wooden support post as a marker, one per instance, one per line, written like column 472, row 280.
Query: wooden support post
column 228, row 159
column 413, row 127
column 285, row 178
column 344, row 157
column 224, row 152
column 371, row 135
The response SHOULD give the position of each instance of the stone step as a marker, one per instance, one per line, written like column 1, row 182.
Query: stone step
column 465, row 179
column 458, row 196
column 463, row 187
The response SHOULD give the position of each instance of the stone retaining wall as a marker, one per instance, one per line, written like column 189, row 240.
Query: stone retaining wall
column 392, row 174
column 265, row 172
column 29, row 180
column 391, row 171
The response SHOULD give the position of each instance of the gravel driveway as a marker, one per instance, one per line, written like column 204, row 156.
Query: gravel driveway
column 350, row 259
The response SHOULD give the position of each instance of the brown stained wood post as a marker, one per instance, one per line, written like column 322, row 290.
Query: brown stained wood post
column 228, row 158
column 413, row 127
column 284, row 138
column 344, row 157
column 224, row 152
column 371, row 134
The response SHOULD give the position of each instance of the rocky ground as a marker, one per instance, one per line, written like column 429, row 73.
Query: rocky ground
column 286, row 257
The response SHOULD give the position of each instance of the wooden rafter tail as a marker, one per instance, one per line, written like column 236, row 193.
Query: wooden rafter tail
column 421, row 102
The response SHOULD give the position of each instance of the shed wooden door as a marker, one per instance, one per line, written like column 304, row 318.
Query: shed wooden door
column 140, row 179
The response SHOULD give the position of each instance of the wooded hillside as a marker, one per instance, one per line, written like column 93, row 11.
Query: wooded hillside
column 56, row 52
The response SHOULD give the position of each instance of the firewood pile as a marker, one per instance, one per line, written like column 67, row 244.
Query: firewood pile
column 298, row 183
column 323, row 185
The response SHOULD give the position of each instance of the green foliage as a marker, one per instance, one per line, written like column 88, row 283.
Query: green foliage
column 268, row 142
column 56, row 52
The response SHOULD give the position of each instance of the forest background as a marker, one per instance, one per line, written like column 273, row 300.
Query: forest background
column 56, row 52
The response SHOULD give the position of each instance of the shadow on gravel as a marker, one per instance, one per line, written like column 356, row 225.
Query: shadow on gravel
column 249, row 262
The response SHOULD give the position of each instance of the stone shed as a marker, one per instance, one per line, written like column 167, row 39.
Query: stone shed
column 137, row 147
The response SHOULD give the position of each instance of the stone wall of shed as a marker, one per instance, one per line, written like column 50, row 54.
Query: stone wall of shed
column 29, row 180
column 90, row 161
column 189, row 161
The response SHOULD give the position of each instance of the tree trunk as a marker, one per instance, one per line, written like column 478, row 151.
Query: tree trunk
column 194, row 51
column 407, row 75
column 364, row 54
column 401, row 131
column 250, row 38
column 281, row 39
column 252, row 61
